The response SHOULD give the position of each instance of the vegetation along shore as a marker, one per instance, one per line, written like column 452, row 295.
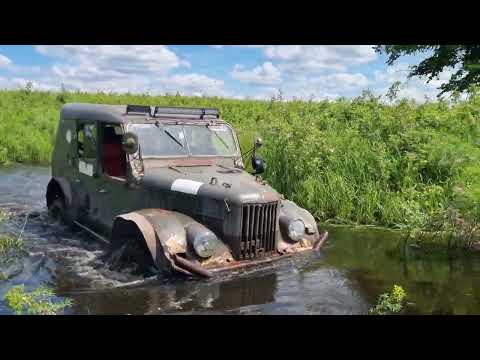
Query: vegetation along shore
column 397, row 164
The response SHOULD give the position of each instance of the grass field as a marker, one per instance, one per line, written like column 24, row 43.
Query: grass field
column 350, row 161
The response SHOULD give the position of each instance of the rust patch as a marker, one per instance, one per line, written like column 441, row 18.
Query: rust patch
column 175, row 244
column 248, row 263
column 221, row 259
column 191, row 267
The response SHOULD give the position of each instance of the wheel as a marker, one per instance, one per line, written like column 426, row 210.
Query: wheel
column 58, row 211
column 132, row 254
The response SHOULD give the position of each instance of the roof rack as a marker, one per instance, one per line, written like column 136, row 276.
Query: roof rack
column 139, row 109
column 200, row 112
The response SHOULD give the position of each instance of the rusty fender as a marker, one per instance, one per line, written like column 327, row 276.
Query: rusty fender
column 145, row 221
column 165, row 235
column 166, row 238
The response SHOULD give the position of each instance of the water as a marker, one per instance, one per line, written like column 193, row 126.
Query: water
column 346, row 277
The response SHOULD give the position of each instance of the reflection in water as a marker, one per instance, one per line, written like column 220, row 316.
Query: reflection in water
column 245, row 292
column 345, row 278
column 179, row 296
column 436, row 282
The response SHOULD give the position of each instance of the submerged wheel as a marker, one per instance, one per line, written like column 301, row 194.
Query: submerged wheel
column 129, row 251
column 58, row 211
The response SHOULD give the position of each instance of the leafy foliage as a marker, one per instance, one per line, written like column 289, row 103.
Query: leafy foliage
column 8, row 243
column 390, row 303
column 37, row 302
column 465, row 57
column 357, row 161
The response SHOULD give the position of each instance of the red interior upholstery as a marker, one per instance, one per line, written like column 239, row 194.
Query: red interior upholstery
column 114, row 162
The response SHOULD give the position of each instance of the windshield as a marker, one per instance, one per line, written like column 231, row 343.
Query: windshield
column 184, row 140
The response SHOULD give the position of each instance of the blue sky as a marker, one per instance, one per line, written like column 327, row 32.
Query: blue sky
column 248, row 71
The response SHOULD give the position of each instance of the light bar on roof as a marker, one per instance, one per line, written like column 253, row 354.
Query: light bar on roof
column 139, row 109
column 200, row 112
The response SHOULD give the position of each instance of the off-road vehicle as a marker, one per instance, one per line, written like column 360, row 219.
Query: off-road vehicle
column 167, row 189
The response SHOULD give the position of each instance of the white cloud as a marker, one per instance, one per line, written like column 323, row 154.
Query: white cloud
column 308, row 71
column 4, row 61
column 21, row 83
column 284, row 52
column 118, row 58
column 342, row 81
column 265, row 93
column 300, row 71
column 322, row 87
column 4, row 83
column 196, row 84
column 315, row 58
column 123, row 68
column 391, row 74
column 265, row 74
column 415, row 88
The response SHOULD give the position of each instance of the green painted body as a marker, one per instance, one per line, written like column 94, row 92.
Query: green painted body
column 210, row 190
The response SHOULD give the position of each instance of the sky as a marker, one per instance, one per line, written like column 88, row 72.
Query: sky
column 314, row 72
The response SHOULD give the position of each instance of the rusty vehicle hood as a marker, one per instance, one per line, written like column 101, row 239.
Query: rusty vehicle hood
column 211, row 181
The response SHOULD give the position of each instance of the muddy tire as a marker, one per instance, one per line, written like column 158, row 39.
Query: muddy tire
column 58, row 211
column 132, row 254
column 55, row 209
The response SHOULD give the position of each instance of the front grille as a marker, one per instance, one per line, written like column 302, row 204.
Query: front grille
column 258, row 230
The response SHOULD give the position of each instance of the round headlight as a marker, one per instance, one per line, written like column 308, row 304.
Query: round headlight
column 204, row 244
column 296, row 230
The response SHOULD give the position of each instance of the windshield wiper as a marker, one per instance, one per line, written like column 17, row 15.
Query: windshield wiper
column 219, row 138
column 173, row 138
column 157, row 124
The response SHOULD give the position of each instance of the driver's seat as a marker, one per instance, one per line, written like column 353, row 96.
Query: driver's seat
column 113, row 157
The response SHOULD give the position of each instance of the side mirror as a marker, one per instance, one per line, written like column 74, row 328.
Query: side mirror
column 258, row 143
column 130, row 143
column 258, row 164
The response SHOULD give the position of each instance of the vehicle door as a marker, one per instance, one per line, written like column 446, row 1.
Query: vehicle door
column 114, row 195
column 86, row 173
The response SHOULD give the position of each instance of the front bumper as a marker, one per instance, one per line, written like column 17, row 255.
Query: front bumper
column 191, row 268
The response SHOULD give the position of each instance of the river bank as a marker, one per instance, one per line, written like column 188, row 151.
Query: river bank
column 356, row 265
column 359, row 161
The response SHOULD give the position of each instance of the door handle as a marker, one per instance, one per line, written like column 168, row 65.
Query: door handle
column 103, row 191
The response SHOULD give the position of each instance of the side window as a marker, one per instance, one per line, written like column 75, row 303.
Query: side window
column 87, row 141
column 87, row 148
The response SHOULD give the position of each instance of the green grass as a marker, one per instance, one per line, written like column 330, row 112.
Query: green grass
column 9, row 243
column 356, row 161
column 36, row 302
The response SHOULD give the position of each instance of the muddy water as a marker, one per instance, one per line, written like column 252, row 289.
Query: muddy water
column 355, row 267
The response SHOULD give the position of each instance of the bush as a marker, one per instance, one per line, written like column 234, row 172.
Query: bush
column 390, row 303
column 8, row 243
column 37, row 302
column 356, row 161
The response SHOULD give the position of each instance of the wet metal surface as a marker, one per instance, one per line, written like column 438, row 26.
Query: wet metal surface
column 346, row 277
